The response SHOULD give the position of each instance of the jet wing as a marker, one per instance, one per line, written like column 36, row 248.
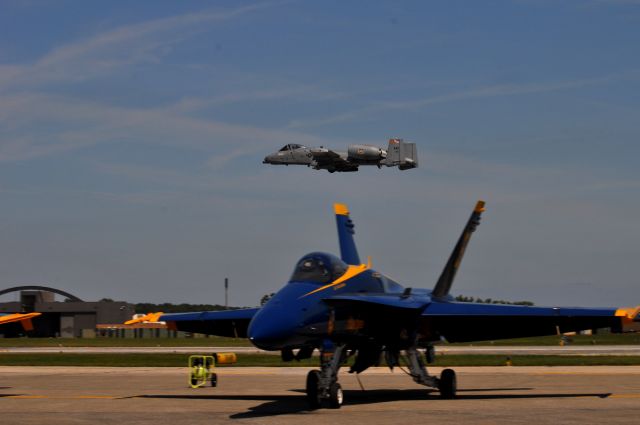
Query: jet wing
column 231, row 323
column 328, row 159
column 24, row 318
column 464, row 322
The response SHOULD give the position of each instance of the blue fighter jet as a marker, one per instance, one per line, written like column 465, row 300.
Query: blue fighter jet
column 23, row 318
column 344, row 309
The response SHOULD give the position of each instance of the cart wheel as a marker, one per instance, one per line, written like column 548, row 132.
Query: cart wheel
column 214, row 379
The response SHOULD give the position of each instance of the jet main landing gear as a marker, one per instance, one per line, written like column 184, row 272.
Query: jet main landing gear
column 447, row 384
column 323, row 389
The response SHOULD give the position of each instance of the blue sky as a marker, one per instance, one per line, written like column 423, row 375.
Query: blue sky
column 131, row 140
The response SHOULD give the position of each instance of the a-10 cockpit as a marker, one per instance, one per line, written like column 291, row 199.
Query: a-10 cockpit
column 290, row 147
column 399, row 153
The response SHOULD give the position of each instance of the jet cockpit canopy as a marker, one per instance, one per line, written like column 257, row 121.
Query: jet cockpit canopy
column 291, row 147
column 318, row 267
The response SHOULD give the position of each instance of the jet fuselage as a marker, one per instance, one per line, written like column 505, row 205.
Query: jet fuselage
column 296, row 316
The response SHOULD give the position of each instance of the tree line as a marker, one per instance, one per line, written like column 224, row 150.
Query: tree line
column 178, row 308
column 184, row 307
column 464, row 299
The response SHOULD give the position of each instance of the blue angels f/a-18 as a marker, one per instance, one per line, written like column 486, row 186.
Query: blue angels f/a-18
column 23, row 318
column 344, row 308
column 399, row 153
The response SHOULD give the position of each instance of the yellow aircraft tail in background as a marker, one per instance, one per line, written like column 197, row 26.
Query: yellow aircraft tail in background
column 23, row 318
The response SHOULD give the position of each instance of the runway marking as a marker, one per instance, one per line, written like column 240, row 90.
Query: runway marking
column 625, row 396
column 586, row 373
column 25, row 397
column 110, row 397
column 71, row 397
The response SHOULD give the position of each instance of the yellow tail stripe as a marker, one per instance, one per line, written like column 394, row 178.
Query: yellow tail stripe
column 340, row 209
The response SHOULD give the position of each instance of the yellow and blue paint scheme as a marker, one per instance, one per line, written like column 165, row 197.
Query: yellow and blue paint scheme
column 345, row 301
column 23, row 318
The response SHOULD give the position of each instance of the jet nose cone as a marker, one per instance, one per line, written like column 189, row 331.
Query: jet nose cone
column 267, row 160
column 271, row 331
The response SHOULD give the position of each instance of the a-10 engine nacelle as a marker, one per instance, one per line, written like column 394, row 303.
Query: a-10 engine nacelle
column 366, row 153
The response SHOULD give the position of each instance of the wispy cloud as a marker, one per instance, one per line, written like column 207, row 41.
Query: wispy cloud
column 616, row 184
column 474, row 93
column 38, row 124
column 102, row 53
column 617, row 2
column 291, row 91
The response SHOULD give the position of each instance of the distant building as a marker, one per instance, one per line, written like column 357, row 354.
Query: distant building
column 72, row 318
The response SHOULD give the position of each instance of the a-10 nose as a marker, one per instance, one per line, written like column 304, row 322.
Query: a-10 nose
column 269, row 159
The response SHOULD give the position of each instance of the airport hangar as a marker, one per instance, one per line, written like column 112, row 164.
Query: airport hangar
column 71, row 318
column 75, row 318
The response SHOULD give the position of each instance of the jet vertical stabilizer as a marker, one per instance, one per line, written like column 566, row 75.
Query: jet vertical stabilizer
column 348, row 250
column 402, row 154
column 449, row 273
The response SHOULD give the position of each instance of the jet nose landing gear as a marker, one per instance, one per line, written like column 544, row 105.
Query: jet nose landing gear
column 319, row 397
column 313, row 382
column 335, row 396
column 323, row 389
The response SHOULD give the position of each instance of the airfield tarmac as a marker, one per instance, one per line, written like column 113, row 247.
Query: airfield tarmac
column 487, row 395
column 580, row 350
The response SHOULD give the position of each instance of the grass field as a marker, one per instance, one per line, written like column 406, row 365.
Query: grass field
column 125, row 342
column 180, row 360
column 601, row 339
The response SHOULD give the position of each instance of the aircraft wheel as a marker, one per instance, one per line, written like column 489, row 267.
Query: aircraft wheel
column 214, row 379
column 336, row 397
column 313, row 378
column 448, row 384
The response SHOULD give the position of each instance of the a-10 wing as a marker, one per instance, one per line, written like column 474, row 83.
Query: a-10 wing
column 327, row 159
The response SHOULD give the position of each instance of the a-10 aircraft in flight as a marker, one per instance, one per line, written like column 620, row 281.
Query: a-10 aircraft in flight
column 345, row 308
column 399, row 153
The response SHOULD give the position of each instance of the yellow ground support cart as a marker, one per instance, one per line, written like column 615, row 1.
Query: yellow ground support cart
column 201, row 368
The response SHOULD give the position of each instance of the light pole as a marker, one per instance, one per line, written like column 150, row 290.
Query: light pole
column 226, row 292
